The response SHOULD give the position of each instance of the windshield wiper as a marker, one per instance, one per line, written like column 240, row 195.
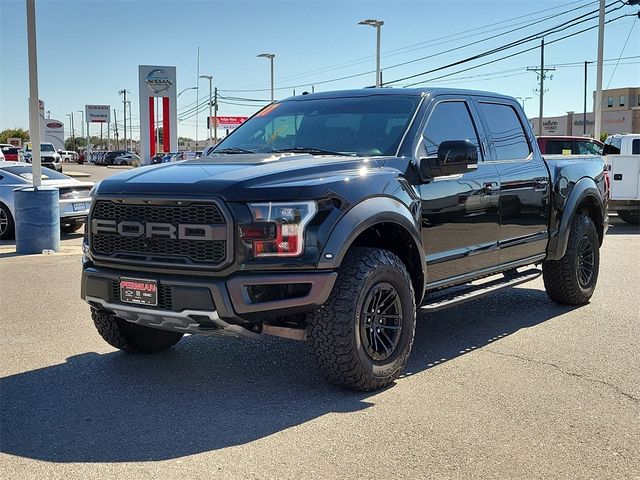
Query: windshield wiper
column 233, row 150
column 311, row 150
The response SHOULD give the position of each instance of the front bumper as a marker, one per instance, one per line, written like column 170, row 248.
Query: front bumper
column 206, row 306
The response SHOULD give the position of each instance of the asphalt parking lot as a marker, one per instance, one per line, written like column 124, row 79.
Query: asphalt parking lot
column 511, row 386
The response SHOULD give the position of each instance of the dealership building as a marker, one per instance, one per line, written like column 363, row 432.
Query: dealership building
column 620, row 114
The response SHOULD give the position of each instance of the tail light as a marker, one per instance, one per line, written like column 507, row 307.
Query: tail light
column 278, row 228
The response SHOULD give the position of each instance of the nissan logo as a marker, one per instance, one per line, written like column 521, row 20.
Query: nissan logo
column 158, row 81
column 54, row 125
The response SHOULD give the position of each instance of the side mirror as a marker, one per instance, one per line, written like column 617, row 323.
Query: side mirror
column 454, row 158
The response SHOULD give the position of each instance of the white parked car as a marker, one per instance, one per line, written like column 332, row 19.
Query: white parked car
column 74, row 196
column 622, row 154
column 68, row 156
column 127, row 159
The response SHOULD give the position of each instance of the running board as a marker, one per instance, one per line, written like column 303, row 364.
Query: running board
column 472, row 292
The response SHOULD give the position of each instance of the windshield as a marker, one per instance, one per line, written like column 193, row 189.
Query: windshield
column 44, row 147
column 25, row 172
column 371, row 125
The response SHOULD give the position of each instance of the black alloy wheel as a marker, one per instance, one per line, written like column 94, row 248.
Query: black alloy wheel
column 586, row 262
column 381, row 321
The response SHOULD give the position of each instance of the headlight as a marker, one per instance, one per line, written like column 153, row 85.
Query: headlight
column 93, row 191
column 278, row 230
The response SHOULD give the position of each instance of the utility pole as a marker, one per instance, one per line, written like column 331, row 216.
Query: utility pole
column 124, row 92
column 542, row 75
column 215, row 117
column 115, row 126
column 598, row 107
column 584, row 111
column 130, row 127
column 34, row 116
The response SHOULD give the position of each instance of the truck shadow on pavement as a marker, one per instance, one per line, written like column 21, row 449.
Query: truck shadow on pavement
column 212, row 393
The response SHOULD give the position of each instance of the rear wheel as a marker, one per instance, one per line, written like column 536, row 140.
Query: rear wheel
column 7, row 226
column 572, row 279
column 630, row 216
column 362, row 336
column 132, row 338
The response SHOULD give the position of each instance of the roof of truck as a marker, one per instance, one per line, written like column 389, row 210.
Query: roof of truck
column 364, row 92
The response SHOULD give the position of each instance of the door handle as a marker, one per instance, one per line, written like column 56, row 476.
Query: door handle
column 540, row 184
column 491, row 187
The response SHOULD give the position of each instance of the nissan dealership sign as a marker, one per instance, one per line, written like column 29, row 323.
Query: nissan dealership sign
column 97, row 113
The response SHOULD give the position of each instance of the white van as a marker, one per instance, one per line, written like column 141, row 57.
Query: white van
column 622, row 154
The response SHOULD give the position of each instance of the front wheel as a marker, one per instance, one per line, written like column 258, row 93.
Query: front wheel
column 362, row 336
column 71, row 227
column 132, row 338
column 572, row 279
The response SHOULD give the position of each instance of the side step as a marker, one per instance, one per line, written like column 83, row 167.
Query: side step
column 471, row 292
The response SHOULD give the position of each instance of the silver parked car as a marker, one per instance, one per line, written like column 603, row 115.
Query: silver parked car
column 74, row 196
column 127, row 159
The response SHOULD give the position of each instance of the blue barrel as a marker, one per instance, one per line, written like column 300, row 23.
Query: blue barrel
column 37, row 219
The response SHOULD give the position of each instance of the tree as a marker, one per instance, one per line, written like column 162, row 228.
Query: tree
column 17, row 132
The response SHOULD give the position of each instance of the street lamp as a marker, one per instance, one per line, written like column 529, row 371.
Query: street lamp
column 86, row 143
column 377, row 24
column 73, row 137
column 182, row 91
column 270, row 56
column 523, row 100
column 210, row 78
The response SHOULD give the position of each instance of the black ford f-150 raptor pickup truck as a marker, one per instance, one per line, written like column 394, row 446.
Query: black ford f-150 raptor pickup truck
column 334, row 217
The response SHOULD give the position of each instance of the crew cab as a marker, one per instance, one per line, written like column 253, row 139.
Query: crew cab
column 622, row 154
column 334, row 218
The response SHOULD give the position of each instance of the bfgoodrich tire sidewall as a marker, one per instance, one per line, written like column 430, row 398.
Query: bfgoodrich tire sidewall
column 398, row 358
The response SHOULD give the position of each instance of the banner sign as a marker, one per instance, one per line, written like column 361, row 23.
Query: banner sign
column 228, row 122
column 97, row 113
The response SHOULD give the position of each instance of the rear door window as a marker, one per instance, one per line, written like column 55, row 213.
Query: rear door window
column 557, row 147
column 635, row 147
column 508, row 139
column 450, row 120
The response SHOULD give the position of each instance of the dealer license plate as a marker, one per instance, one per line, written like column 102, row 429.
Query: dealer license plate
column 140, row 291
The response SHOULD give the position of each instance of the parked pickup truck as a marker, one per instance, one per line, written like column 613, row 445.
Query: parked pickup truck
column 622, row 154
column 334, row 218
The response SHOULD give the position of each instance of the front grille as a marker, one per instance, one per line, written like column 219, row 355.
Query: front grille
column 159, row 249
column 165, row 300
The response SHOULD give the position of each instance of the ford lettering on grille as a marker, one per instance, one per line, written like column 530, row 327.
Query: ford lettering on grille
column 181, row 233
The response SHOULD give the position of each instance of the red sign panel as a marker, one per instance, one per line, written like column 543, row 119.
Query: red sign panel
column 228, row 122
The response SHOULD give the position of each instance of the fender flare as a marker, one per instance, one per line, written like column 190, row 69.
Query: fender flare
column 366, row 214
column 583, row 189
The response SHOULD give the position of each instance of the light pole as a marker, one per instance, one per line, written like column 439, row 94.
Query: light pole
column 598, row 119
column 523, row 100
column 182, row 91
column 73, row 137
column 377, row 24
column 210, row 121
column 270, row 56
column 85, row 139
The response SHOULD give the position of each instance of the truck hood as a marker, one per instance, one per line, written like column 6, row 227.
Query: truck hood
column 239, row 177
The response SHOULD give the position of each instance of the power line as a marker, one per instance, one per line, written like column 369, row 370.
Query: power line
column 433, row 42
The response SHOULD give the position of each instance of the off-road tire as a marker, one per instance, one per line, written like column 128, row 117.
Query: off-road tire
column 9, row 228
column 71, row 227
column 132, row 338
column 561, row 277
column 630, row 216
column 334, row 331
